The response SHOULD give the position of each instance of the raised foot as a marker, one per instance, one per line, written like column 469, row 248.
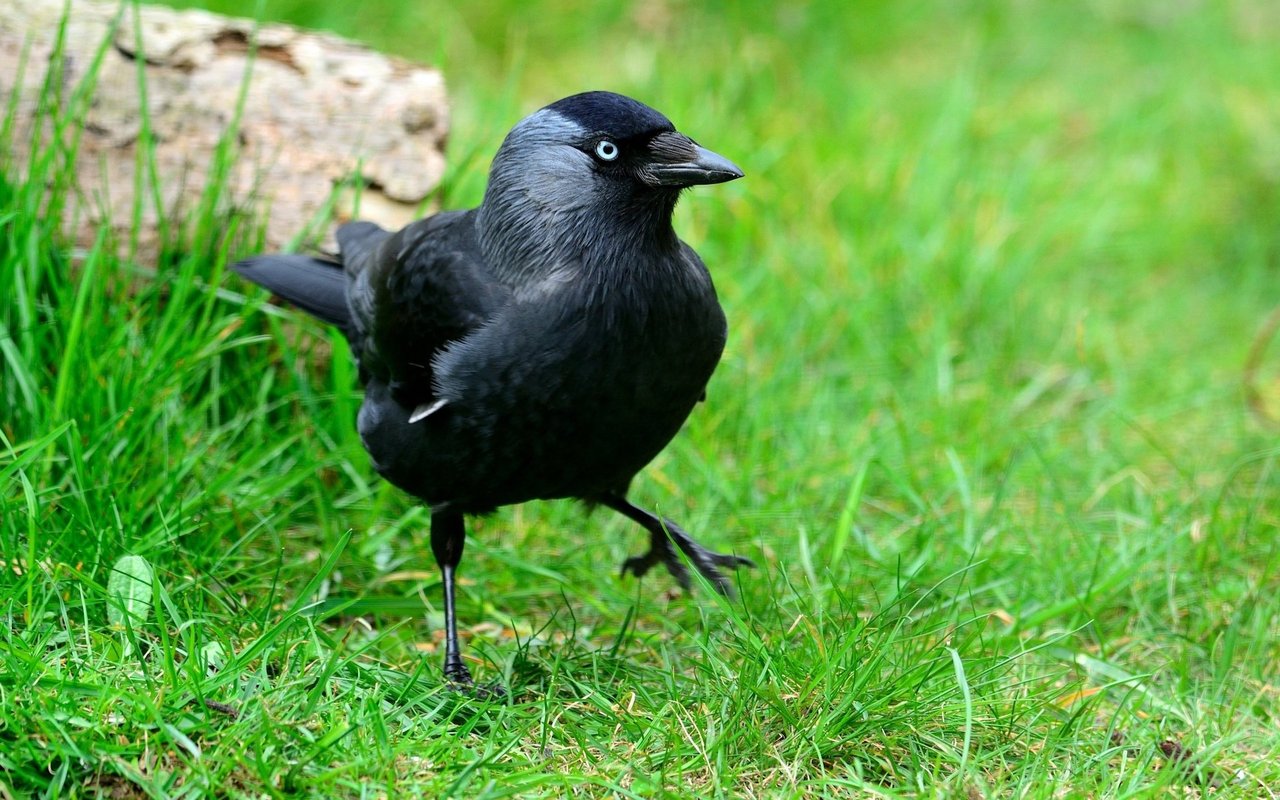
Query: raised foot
column 707, row 562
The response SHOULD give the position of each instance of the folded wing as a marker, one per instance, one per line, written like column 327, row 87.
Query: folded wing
column 411, row 293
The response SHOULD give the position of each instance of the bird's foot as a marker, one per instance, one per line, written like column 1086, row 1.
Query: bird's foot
column 459, row 679
column 707, row 562
column 659, row 551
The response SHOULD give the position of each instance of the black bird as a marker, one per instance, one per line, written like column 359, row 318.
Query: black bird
column 546, row 344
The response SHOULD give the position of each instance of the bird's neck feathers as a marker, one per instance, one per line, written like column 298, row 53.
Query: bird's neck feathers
column 531, row 234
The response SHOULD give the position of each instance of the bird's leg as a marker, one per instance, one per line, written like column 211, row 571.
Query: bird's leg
column 448, row 534
column 662, row 532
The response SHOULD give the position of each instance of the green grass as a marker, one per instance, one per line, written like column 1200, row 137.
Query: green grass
column 992, row 279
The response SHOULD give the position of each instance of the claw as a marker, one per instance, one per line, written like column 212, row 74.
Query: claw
column 733, row 562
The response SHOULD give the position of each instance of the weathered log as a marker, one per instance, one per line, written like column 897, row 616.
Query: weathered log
column 317, row 110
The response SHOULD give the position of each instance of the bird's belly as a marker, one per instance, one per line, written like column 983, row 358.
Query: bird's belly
column 583, row 427
column 581, row 442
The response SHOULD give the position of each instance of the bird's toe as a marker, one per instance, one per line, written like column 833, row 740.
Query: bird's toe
column 480, row 691
column 637, row 565
column 458, row 679
column 709, row 562
column 678, row 570
column 719, row 581
column 732, row 561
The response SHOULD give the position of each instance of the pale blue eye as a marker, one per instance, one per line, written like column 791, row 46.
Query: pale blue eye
column 606, row 150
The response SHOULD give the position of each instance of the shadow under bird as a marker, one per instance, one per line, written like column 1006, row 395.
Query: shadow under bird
column 547, row 344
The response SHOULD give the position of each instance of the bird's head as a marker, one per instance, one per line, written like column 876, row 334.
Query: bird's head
column 624, row 141
column 596, row 161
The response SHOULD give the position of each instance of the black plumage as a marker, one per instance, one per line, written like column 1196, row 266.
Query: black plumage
column 546, row 344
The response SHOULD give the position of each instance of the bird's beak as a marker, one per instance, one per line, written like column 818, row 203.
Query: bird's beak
column 678, row 161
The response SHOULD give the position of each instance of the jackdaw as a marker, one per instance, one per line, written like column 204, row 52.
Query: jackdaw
column 546, row 344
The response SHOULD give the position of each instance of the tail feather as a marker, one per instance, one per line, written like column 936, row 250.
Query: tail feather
column 317, row 287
